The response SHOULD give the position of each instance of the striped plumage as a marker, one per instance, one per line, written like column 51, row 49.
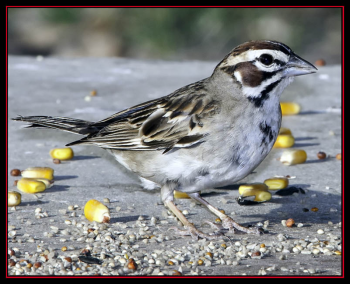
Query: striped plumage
column 210, row 133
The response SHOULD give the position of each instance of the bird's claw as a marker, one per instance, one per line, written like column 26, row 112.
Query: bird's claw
column 217, row 227
column 231, row 225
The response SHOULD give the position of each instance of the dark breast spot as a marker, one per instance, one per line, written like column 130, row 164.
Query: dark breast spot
column 268, row 134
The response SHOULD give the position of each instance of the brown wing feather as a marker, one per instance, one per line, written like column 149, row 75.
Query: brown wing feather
column 161, row 124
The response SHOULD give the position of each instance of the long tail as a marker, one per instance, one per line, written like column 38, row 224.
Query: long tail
column 72, row 125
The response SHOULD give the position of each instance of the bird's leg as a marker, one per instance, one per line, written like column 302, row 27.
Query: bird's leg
column 190, row 229
column 227, row 222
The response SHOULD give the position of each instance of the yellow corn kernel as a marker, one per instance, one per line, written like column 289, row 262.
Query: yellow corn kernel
column 285, row 130
column 260, row 195
column 254, row 186
column 13, row 198
column 284, row 141
column 293, row 156
column 38, row 172
column 28, row 185
column 62, row 153
column 276, row 183
column 181, row 195
column 289, row 108
column 48, row 183
column 96, row 211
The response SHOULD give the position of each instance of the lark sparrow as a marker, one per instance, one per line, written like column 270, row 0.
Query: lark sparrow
column 211, row 133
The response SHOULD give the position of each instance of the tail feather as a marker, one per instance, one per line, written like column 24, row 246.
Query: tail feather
column 72, row 125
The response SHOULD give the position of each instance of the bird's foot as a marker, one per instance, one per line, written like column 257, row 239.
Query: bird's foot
column 217, row 227
column 195, row 233
column 231, row 225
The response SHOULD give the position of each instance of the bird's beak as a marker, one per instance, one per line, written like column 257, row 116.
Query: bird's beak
column 297, row 66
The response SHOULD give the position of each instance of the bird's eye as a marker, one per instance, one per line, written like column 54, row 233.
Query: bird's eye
column 266, row 59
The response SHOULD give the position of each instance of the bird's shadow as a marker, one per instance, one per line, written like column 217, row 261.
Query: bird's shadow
column 300, row 145
column 82, row 157
column 58, row 188
column 64, row 177
column 126, row 219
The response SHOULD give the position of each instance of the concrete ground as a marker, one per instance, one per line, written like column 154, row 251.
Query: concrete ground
column 63, row 86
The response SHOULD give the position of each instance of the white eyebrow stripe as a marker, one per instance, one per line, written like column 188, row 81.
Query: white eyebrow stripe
column 251, row 55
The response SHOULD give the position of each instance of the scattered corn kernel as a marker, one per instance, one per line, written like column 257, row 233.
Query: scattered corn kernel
column 338, row 156
column 314, row 209
column 284, row 141
column 64, row 248
column 28, row 185
column 289, row 108
column 13, row 198
column 285, row 130
column 48, row 183
column 218, row 220
column 292, row 157
column 259, row 190
column 256, row 186
column 262, row 245
column 337, row 252
column 276, row 183
column 38, row 172
column 96, row 211
column 170, row 262
column 260, row 196
column 222, row 211
column 62, row 153
column 180, row 195
column 200, row 262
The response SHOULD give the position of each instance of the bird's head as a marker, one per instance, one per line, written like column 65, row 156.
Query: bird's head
column 263, row 66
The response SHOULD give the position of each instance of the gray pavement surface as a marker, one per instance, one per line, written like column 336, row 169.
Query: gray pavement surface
column 62, row 87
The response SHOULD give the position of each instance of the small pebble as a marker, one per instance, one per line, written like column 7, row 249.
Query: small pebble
column 320, row 62
column 290, row 222
column 321, row 155
column 320, row 232
column 15, row 172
